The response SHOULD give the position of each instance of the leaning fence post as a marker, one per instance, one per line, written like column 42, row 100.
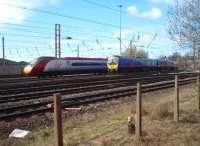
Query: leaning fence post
column 138, row 111
column 58, row 120
column 176, row 100
column 198, row 92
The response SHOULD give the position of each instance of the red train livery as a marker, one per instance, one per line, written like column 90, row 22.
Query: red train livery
column 43, row 66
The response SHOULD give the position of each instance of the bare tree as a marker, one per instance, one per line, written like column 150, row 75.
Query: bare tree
column 184, row 24
column 182, row 61
column 135, row 52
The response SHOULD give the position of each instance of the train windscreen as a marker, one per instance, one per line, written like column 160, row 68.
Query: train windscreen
column 37, row 60
column 113, row 60
column 33, row 62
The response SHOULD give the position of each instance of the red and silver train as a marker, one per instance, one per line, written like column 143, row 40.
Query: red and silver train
column 50, row 66
column 132, row 64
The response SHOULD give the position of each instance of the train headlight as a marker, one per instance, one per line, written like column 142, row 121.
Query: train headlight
column 27, row 70
column 112, row 67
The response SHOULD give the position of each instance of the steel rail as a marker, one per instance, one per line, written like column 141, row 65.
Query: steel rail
column 78, row 87
column 42, row 87
column 85, row 98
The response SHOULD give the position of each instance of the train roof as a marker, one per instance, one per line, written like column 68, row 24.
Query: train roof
column 132, row 57
column 69, row 58
column 45, row 57
column 83, row 58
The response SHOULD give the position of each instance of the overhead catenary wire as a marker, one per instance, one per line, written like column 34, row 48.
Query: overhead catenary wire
column 31, row 47
column 104, row 6
column 60, row 15
column 26, row 41
column 100, row 5
column 48, row 37
column 78, row 39
column 83, row 29
column 65, row 25
column 30, row 31
column 26, row 26
column 50, row 32
column 38, row 27
column 63, row 38
column 98, row 43
column 84, row 43
column 25, row 35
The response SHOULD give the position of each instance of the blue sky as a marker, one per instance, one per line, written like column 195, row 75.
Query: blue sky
column 29, row 34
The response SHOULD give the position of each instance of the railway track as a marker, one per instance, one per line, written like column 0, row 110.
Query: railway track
column 29, row 93
column 34, row 88
column 52, row 81
column 14, row 86
column 30, row 79
column 4, row 81
column 12, row 106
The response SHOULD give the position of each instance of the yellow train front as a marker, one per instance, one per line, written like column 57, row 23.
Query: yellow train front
column 113, row 64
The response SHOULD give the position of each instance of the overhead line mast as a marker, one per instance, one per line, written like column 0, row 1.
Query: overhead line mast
column 3, row 48
column 57, row 41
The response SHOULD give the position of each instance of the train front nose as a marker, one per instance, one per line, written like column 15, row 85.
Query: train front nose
column 112, row 67
column 27, row 70
column 112, row 64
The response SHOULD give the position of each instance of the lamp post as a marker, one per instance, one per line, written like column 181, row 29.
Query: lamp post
column 77, row 50
column 120, row 27
column 3, row 48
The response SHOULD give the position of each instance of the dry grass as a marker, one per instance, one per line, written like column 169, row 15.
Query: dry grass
column 105, row 124
column 158, row 125
column 162, row 110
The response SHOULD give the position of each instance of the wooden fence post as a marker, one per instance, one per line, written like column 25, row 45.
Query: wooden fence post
column 198, row 92
column 58, row 120
column 176, row 100
column 138, row 111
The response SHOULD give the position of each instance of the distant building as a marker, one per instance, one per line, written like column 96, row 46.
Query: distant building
column 9, row 67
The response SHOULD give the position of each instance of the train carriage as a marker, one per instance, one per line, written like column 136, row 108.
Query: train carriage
column 47, row 66
column 134, row 64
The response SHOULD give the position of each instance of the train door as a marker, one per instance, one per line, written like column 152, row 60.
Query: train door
column 67, row 65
